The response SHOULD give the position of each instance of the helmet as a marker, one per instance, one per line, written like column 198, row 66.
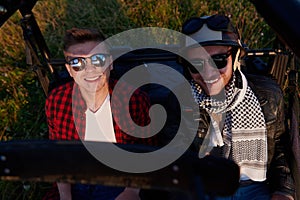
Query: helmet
column 211, row 30
column 215, row 30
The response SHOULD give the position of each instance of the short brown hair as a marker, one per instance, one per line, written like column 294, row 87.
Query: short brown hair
column 81, row 35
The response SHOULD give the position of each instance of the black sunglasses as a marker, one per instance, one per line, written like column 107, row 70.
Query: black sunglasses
column 217, row 61
column 79, row 63
column 214, row 22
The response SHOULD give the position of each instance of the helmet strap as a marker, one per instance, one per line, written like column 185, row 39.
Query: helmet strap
column 237, row 64
column 236, row 70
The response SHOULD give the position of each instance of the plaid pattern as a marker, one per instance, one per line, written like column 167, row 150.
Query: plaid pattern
column 67, row 121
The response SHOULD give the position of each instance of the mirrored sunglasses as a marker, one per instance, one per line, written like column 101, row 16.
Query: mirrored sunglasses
column 97, row 60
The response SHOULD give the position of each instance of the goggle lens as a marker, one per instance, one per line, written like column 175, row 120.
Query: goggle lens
column 214, row 22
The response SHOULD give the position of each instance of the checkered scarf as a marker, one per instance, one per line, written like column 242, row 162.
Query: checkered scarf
column 240, row 119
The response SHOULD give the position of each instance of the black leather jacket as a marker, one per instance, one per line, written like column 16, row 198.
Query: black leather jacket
column 271, row 100
column 270, row 97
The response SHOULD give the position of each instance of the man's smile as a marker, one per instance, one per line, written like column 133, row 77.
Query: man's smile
column 211, row 81
column 93, row 78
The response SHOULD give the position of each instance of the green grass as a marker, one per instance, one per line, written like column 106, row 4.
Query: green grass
column 21, row 96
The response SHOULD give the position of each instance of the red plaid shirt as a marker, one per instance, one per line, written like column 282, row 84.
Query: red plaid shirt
column 65, row 110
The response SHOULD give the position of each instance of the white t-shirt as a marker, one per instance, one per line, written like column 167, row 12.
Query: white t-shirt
column 99, row 125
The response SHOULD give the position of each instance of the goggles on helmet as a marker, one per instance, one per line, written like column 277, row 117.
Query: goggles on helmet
column 211, row 30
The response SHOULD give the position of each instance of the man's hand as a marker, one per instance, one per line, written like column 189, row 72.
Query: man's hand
column 64, row 191
column 129, row 194
column 280, row 197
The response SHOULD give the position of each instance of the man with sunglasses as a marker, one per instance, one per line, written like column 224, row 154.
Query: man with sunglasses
column 239, row 117
column 81, row 109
